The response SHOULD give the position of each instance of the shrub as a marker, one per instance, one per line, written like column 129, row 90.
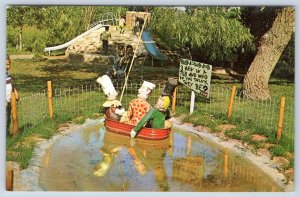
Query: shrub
column 38, row 57
column 33, row 39
column 12, row 38
column 38, row 45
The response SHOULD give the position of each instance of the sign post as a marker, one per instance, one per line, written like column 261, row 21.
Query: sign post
column 197, row 77
column 192, row 102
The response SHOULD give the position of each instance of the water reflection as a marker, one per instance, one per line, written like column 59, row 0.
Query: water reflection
column 145, row 156
column 93, row 159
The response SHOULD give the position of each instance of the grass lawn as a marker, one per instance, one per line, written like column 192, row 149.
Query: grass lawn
column 31, row 77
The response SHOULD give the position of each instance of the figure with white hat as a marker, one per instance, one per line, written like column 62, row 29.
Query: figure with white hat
column 113, row 107
column 138, row 107
column 160, row 112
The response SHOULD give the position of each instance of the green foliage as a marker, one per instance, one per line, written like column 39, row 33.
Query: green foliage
column 292, row 163
column 278, row 150
column 18, row 16
column 38, row 45
column 215, row 32
column 45, row 130
column 12, row 37
column 38, row 57
column 33, row 39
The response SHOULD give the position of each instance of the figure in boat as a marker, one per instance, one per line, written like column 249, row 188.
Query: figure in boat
column 112, row 107
column 157, row 115
column 139, row 106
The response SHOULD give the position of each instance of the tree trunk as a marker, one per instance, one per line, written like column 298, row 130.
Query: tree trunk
column 21, row 39
column 272, row 44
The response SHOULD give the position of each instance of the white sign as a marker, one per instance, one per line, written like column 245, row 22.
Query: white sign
column 196, row 76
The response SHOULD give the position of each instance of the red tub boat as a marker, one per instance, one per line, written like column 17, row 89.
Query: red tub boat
column 144, row 133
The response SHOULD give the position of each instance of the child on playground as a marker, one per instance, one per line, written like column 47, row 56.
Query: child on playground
column 104, row 36
column 122, row 24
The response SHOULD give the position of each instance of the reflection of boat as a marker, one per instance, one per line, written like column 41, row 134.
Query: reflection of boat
column 114, row 143
column 144, row 133
column 113, row 139
column 146, row 156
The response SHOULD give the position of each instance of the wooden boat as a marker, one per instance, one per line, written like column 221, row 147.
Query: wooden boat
column 144, row 133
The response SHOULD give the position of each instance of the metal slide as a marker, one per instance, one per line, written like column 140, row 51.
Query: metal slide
column 65, row 45
column 150, row 46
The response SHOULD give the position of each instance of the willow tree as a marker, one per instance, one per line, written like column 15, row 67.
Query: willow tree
column 271, row 46
column 215, row 33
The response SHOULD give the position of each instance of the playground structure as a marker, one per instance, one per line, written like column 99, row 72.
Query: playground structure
column 109, row 19
column 87, row 45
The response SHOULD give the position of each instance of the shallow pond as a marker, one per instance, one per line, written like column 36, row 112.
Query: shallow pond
column 93, row 159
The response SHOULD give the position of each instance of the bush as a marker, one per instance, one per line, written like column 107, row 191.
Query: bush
column 38, row 57
column 38, row 45
column 34, row 40
column 12, row 38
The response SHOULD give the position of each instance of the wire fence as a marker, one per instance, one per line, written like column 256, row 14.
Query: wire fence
column 87, row 99
column 261, row 114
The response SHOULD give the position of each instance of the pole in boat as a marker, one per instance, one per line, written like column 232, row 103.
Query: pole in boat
column 136, row 48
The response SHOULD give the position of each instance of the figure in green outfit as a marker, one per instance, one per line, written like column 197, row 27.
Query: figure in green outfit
column 158, row 114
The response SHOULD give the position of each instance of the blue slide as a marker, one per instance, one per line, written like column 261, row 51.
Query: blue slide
column 150, row 46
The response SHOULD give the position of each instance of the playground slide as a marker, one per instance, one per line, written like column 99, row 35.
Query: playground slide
column 150, row 46
column 62, row 46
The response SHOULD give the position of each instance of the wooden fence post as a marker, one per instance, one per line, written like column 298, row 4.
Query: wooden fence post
column 231, row 101
column 49, row 85
column 9, row 179
column 174, row 100
column 14, row 113
column 281, row 116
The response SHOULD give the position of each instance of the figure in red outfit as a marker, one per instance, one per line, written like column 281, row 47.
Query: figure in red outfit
column 138, row 107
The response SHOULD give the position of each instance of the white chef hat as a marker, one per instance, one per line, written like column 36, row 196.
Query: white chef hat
column 149, row 85
column 146, row 89
column 108, row 87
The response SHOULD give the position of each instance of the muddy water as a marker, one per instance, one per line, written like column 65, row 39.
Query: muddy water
column 92, row 159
